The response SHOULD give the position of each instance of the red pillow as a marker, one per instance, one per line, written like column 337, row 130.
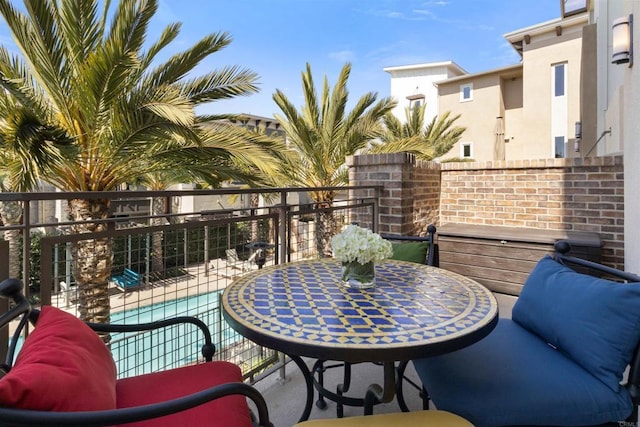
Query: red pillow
column 63, row 366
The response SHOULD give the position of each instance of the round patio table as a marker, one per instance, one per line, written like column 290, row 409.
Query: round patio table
column 414, row 311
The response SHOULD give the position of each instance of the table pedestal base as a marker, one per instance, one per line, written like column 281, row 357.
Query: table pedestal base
column 375, row 393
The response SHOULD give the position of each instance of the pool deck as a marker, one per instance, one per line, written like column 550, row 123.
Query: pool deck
column 199, row 279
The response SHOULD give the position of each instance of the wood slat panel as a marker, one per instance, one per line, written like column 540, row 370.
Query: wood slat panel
column 501, row 258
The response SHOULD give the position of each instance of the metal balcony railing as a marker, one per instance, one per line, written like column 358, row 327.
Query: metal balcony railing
column 177, row 261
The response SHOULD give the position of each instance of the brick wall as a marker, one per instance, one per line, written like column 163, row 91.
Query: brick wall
column 568, row 194
column 409, row 192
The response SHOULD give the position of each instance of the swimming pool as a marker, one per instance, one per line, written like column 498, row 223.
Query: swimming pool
column 144, row 352
column 139, row 353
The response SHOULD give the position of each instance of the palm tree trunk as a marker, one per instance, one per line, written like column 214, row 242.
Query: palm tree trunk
column 254, row 203
column 92, row 259
column 158, row 205
column 11, row 214
column 325, row 229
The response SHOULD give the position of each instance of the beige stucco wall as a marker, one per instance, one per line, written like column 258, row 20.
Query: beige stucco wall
column 522, row 97
column 535, row 141
column 619, row 111
column 478, row 115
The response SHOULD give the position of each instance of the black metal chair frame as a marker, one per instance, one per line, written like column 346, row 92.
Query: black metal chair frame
column 12, row 288
column 320, row 366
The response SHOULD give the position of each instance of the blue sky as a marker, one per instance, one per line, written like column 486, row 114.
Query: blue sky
column 276, row 38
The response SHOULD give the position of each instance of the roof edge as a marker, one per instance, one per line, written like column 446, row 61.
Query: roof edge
column 448, row 64
column 481, row 73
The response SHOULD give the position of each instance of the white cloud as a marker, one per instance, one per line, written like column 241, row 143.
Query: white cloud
column 424, row 12
column 435, row 3
column 342, row 55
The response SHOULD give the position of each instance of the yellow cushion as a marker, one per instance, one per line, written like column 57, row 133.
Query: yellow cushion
column 404, row 419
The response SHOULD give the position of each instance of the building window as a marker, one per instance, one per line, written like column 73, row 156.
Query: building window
column 415, row 100
column 559, row 77
column 560, row 147
column 466, row 150
column 466, row 92
column 572, row 7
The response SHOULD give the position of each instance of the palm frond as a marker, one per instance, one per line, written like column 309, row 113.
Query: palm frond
column 169, row 34
column 323, row 134
column 182, row 63
column 84, row 110
column 40, row 44
column 81, row 26
column 226, row 83
column 413, row 136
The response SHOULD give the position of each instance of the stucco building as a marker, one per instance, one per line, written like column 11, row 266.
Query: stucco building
column 523, row 111
column 414, row 85
column 528, row 111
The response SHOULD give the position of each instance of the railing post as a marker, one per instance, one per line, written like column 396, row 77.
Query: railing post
column 375, row 215
column 282, row 227
column 4, row 303
column 26, row 245
column 147, row 264
column 206, row 250
column 284, row 257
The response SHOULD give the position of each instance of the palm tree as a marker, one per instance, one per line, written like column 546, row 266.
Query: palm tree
column 426, row 141
column 322, row 135
column 11, row 214
column 87, row 78
column 24, row 144
column 227, row 145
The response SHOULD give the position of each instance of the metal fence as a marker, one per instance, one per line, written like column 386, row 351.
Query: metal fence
column 177, row 263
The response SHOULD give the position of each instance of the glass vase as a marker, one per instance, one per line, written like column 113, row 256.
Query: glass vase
column 358, row 276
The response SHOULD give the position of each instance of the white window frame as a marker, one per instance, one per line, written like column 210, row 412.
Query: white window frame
column 564, row 146
column 564, row 79
column 462, row 146
column 462, row 89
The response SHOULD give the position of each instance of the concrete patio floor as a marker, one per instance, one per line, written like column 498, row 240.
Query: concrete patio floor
column 286, row 400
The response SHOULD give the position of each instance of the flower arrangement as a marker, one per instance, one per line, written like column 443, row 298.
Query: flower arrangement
column 359, row 244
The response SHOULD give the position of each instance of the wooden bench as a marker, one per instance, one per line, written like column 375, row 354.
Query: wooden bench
column 129, row 279
column 501, row 258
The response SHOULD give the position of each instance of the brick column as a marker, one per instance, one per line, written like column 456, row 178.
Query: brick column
column 410, row 190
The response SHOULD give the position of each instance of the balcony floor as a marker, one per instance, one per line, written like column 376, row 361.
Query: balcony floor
column 286, row 401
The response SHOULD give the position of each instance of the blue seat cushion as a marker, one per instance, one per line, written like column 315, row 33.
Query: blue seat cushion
column 596, row 322
column 512, row 377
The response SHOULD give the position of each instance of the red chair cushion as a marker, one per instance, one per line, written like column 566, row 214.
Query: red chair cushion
column 160, row 386
column 62, row 366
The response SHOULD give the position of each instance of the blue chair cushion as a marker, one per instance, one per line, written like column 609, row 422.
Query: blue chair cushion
column 512, row 377
column 596, row 322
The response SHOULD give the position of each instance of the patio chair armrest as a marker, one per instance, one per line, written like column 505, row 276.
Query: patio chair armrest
column 208, row 348
column 138, row 413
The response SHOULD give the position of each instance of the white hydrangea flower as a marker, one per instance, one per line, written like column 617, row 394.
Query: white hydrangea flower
column 359, row 244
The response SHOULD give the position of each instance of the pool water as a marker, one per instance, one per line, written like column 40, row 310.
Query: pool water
column 138, row 353
column 144, row 352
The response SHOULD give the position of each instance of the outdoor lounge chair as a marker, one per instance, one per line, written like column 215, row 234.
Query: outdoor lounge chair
column 559, row 361
column 234, row 261
column 64, row 375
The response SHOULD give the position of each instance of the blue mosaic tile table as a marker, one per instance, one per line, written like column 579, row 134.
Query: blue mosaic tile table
column 414, row 310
